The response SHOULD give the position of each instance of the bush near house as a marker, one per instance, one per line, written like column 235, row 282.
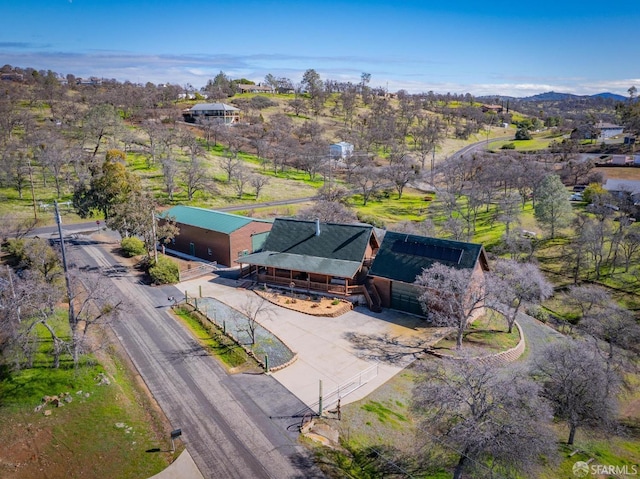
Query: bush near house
column 132, row 247
column 165, row 271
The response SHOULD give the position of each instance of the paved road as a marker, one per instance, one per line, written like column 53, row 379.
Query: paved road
column 226, row 420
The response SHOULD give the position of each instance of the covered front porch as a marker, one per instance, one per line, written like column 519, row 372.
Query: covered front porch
column 302, row 280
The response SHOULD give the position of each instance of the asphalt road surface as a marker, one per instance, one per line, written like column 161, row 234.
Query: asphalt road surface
column 234, row 426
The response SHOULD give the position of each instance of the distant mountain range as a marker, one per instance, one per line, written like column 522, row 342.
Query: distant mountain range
column 556, row 96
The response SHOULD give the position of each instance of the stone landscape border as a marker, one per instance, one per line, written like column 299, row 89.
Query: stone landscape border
column 508, row 356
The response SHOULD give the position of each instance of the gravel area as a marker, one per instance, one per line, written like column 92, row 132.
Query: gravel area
column 236, row 324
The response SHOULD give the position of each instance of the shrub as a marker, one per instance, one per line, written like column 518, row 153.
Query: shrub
column 508, row 146
column 164, row 272
column 539, row 313
column 371, row 220
column 132, row 247
column 16, row 248
column 592, row 192
column 523, row 134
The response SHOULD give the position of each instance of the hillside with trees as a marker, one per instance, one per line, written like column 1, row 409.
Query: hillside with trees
column 121, row 153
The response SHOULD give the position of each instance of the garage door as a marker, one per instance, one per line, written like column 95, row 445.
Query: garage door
column 404, row 297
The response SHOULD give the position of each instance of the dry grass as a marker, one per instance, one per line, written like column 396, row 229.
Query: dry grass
column 620, row 173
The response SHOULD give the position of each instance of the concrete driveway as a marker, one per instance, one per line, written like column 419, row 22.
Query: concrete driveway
column 325, row 347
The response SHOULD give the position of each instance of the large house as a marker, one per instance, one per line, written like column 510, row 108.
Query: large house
column 348, row 260
column 402, row 257
column 219, row 112
column 608, row 130
column 323, row 257
column 255, row 88
column 216, row 236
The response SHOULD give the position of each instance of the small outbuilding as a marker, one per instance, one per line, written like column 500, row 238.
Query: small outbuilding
column 341, row 151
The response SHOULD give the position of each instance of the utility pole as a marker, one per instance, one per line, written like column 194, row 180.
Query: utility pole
column 155, row 240
column 33, row 194
column 64, row 265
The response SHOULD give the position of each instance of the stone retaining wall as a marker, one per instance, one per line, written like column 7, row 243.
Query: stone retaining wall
column 497, row 359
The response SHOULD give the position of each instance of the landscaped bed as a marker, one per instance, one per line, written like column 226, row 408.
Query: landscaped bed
column 309, row 304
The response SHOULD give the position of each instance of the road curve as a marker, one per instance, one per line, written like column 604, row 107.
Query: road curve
column 226, row 420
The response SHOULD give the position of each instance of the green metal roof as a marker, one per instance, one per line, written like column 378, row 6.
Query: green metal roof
column 325, row 248
column 208, row 219
column 402, row 256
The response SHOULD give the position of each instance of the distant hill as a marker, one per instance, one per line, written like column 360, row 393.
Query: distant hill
column 613, row 96
column 554, row 96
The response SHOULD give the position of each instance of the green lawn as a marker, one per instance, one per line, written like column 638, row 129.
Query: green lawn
column 83, row 438
column 221, row 346
column 538, row 142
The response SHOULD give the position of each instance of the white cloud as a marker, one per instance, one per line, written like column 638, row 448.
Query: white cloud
column 196, row 69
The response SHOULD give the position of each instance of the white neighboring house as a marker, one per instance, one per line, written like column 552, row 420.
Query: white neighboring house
column 608, row 130
column 618, row 187
column 341, row 150
column 223, row 113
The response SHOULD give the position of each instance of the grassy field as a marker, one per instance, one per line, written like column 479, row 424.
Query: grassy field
column 486, row 335
column 383, row 422
column 104, row 431
column 540, row 141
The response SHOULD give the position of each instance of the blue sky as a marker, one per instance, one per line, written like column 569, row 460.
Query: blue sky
column 492, row 47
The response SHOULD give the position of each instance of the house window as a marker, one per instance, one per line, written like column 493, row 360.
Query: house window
column 209, row 252
column 244, row 252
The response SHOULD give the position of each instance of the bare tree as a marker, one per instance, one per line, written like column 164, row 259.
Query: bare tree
column 328, row 212
column 170, row 172
column 230, row 165
column 26, row 304
column 513, row 284
column 254, row 308
column 508, row 211
column 259, row 182
column 630, row 246
column 602, row 318
column 450, row 297
column 195, row 177
column 580, row 387
column 368, row 180
column 492, row 420
column 95, row 303
column 400, row 173
column 241, row 178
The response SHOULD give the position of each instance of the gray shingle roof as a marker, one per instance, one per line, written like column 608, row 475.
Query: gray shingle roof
column 213, row 106
column 402, row 256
